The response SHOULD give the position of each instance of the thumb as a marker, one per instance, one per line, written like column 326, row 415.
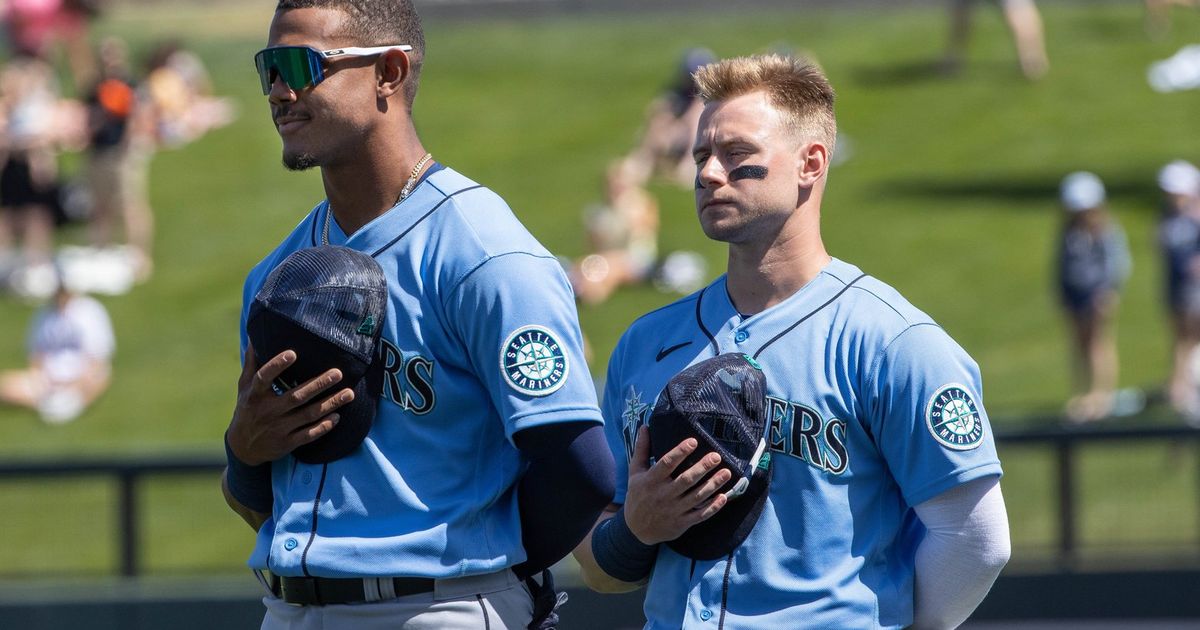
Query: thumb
column 249, row 365
column 640, row 462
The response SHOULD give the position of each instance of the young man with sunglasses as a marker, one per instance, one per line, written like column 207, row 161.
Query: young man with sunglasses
column 486, row 460
column 883, row 505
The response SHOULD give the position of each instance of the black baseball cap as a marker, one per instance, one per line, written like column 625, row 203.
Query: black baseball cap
column 327, row 304
column 722, row 403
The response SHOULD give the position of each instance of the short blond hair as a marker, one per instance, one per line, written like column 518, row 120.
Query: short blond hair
column 796, row 87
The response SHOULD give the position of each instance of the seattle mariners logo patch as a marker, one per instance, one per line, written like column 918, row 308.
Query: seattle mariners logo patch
column 533, row 361
column 953, row 418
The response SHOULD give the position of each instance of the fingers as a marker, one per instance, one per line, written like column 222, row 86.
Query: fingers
column 319, row 418
column 311, row 432
column 272, row 369
column 327, row 406
column 667, row 464
column 706, row 490
column 698, row 471
column 703, row 514
column 309, row 390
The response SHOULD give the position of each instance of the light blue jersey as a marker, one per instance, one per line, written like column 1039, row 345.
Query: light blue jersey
column 481, row 341
column 873, row 408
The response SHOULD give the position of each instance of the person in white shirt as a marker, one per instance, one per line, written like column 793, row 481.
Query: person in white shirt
column 71, row 345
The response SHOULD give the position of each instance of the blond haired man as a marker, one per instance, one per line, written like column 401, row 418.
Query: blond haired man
column 884, row 507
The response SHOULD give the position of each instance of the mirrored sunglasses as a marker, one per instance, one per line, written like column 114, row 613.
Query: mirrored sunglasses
column 301, row 67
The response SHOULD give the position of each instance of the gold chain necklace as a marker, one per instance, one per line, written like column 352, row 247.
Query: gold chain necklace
column 404, row 192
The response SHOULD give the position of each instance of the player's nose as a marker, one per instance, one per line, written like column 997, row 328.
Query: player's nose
column 280, row 92
column 710, row 173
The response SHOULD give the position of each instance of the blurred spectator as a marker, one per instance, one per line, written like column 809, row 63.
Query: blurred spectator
column 179, row 92
column 119, row 151
column 1158, row 15
column 1024, row 22
column 1180, row 71
column 70, row 350
column 665, row 148
column 1179, row 238
column 623, row 231
column 623, row 234
column 1093, row 262
column 35, row 27
column 28, row 178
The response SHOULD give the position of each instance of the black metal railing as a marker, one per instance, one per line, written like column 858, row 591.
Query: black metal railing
column 128, row 472
column 1065, row 441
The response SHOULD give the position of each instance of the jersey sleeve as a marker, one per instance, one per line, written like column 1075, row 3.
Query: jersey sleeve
column 248, row 289
column 516, row 315
column 611, row 406
column 927, row 414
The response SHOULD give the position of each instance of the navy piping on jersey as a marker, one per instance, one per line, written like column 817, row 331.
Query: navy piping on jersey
column 429, row 171
column 725, row 591
column 700, row 321
column 312, row 535
column 717, row 347
column 423, row 217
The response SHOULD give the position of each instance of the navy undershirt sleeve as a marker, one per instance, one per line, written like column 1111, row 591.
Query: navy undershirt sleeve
column 569, row 481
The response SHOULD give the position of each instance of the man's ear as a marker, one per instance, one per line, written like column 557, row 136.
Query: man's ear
column 812, row 161
column 391, row 71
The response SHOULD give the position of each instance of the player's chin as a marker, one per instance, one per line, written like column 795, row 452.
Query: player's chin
column 299, row 160
column 719, row 226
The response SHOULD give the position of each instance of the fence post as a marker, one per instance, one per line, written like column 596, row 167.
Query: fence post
column 1066, row 504
column 127, row 535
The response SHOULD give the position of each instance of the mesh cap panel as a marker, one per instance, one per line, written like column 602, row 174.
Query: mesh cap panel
column 336, row 293
column 723, row 401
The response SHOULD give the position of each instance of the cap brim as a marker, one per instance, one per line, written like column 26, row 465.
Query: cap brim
column 718, row 536
column 354, row 423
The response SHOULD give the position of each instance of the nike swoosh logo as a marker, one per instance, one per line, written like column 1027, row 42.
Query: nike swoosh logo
column 662, row 354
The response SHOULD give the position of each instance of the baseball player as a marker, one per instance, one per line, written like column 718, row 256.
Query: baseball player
column 486, row 461
column 884, row 509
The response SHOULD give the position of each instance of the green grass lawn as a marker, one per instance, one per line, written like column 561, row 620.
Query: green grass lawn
column 949, row 195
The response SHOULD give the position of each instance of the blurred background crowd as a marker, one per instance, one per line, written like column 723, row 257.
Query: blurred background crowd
column 79, row 124
column 80, row 121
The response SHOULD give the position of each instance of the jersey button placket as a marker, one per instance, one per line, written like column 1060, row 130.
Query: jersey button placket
column 741, row 336
column 705, row 614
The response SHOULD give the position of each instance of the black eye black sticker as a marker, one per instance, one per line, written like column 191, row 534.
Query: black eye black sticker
column 748, row 171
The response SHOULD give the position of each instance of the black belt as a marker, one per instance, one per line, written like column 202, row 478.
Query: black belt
column 318, row 591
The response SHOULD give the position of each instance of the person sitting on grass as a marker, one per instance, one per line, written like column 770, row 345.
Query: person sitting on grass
column 71, row 345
